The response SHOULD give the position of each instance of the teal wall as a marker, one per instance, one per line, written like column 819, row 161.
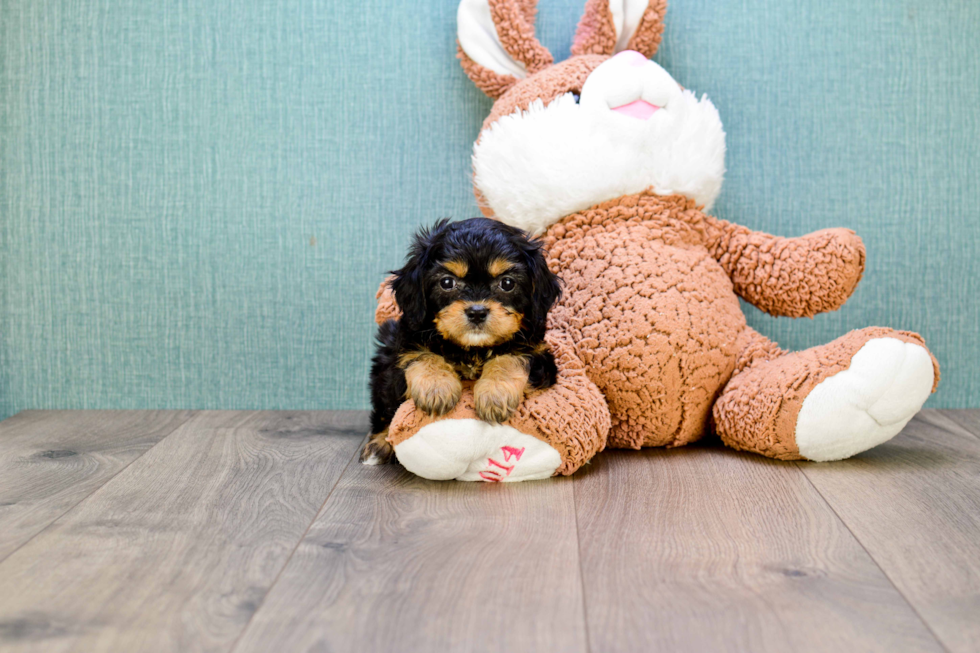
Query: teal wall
column 199, row 198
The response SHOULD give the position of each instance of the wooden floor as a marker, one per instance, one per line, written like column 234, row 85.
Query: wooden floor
column 258, row 531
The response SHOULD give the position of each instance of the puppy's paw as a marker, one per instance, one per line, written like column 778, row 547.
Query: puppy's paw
column 436, row 394
column 496, row 401
column 500, row 389
column 377, row 451
column 433, row 384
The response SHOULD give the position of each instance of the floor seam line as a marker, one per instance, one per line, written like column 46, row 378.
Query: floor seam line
column 952, row 417
column 884, row 573
column 581, row 570
column 54, row 521
column 299, row 541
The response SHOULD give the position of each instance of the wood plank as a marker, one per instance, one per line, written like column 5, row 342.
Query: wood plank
column 177, row 551
column 968, row 419
column 914, row 503
column 705, row 549
column 398, row 563
column 52, row 459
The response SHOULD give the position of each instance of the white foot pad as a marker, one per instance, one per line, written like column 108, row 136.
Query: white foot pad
column 473, row 450
column 866, row 404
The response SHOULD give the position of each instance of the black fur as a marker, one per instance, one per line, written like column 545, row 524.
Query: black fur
column 387, row 389
column 420, row 297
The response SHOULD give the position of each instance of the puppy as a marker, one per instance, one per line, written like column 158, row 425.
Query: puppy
column 474, row 297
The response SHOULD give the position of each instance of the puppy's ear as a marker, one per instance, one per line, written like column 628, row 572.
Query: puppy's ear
column 409, row 282
column 545, row 289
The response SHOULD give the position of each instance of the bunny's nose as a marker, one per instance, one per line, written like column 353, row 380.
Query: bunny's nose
column 477, row 313
column 632, row 57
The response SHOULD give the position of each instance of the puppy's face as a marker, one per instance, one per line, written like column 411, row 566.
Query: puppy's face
column 482, row 283
column 479, row 296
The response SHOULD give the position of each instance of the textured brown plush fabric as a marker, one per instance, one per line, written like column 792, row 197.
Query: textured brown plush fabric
column 565, row 77
column 654, row 315
column 516, row 34
column 386, row 309
column 758, row 409
column 647, row 37
column 530, row 10
column 492, row 84
column 514, row 21
column 753, row 347
column 596, row 33
column 791, row 277
column 571, row 416
column 650, row 285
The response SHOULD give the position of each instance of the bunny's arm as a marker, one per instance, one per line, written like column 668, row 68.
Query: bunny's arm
column 789, row 277
column 387, row 308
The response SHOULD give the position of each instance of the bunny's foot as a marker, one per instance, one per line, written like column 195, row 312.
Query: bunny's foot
column 829, row 402
column 866, row 404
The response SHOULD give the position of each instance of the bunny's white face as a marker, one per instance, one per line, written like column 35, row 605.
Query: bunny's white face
column 632, row 128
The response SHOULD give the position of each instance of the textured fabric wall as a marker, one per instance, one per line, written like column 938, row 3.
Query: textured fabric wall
column 199, row 198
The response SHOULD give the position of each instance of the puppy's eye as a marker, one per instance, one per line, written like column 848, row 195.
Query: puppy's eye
column 447, row 283
column 507, row 284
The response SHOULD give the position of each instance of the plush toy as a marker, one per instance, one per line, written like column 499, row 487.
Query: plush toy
column 614, row 165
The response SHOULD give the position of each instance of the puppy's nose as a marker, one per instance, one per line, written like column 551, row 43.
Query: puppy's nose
column 477, row 313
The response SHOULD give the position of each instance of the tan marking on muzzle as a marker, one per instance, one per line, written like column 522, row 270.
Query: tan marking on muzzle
column 500, row 326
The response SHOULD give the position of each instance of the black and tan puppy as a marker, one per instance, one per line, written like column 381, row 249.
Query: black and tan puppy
column 474, row 297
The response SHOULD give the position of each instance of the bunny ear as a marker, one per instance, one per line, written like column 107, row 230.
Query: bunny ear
column 530, row 9
column 492, row 84
column 610, row 26
column 497, row 46
column 646, row 37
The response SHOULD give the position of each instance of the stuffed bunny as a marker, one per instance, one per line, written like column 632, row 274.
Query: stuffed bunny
column 615, row 165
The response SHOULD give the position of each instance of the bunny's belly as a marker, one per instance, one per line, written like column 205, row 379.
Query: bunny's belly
column 656, row 325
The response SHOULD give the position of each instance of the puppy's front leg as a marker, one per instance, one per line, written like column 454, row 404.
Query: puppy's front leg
column 500, row 388
column 432, row 384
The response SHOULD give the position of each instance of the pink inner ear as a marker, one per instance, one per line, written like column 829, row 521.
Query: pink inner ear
column 640, row 109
